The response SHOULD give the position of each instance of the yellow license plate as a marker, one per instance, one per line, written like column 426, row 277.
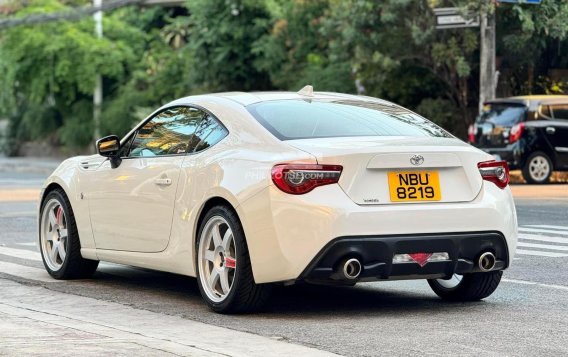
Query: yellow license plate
column 408, row 186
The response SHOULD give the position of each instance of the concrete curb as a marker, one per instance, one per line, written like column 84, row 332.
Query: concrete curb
column 37, row 321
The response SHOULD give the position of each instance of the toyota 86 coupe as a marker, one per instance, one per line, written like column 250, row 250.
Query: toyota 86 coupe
column 246, row 190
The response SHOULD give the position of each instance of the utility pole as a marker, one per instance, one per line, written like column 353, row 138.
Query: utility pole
column 98, row 94
column 487, row 74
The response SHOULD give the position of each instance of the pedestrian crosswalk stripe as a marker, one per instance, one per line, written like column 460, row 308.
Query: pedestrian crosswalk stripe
column 543, row 238
column 28, row 244
column 546, row 226
column 20, row 253
column 531, row 235
column 543, row 246
column 11, row 268
column 542, row 254
column 18, row 214
column 26, row 272
column 537, row 230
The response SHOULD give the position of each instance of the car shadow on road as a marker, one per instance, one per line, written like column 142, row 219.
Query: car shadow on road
column 179, row 295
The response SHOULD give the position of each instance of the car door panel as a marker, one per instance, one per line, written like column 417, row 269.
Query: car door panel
column 557, row 134
column 131, row 206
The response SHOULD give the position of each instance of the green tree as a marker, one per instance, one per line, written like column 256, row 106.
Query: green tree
column 222, row 33
column 532, row 39
column 149, row 56
column 397, row 53
column 295, row 53
column 49, row 71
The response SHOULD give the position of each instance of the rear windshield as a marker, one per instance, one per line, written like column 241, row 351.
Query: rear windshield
column 303, row 119
column 502, row 114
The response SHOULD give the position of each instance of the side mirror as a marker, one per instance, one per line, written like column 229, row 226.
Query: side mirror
column 109, row 147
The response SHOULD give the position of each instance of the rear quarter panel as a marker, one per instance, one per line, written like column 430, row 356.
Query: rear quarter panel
column 235, row 169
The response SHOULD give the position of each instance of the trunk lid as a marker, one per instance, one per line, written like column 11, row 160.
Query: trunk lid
column 367, row 162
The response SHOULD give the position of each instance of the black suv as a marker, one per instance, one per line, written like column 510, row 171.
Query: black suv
column 530, row 133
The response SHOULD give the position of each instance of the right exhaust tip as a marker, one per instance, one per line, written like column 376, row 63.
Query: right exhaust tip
column 351, row 268
column 486, row 261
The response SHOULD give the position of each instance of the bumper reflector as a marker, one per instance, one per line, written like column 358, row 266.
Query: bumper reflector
column 420, row 258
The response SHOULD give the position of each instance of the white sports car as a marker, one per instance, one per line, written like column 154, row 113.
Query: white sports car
column 242, row 190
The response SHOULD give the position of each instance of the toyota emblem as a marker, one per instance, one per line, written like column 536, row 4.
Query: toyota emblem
column 417, row 160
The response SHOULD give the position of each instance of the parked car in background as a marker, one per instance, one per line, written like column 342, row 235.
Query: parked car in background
column 529, row 132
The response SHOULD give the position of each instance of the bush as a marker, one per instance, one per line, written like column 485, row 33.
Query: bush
column 441, row 112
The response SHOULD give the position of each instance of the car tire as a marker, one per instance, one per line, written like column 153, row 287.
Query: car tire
column 471, row 287
column 70, row 265
column 228, row 260
column 538, row 168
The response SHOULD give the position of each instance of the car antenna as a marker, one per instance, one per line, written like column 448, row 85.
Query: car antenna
column 307, row 91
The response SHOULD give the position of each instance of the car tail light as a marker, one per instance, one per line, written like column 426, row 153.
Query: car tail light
column 298, row 179
column 471, row 134
column 516, row 132
column 495, row 171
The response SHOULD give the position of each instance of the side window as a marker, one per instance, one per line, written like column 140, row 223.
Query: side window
column 559, row 111
column 170, row 132
column 545, row 111
column 209, row 133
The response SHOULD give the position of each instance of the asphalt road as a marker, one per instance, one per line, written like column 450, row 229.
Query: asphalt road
column 527, row 315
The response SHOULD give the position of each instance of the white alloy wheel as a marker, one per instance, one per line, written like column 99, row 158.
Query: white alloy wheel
column 539, row 168
column 54, row 234
column 450, row 283
column 217, row 259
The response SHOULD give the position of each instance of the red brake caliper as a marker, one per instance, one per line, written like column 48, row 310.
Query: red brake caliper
column 230, row 262
column 59, row 215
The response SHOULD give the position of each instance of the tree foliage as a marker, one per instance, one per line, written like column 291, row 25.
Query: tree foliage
column 149, row 56
column 49, row 72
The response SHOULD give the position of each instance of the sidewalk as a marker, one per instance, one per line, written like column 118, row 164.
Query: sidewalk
column 35, row 321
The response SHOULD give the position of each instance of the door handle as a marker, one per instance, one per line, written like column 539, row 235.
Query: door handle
column 163, row 181
column 550, row 130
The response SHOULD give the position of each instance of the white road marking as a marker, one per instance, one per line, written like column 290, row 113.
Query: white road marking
column 543, row 233
column 543, row 238
column 26, row 272
column 21, row 253
column 541, row 254
column 28, row 244
column 525, row 282
column 107, row 268
column 547, row 226
column 535, row 230
column 18, row 214
column 543, row 246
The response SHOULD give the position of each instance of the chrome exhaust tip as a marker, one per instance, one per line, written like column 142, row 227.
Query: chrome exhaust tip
column 351, row 268
column 486, row 261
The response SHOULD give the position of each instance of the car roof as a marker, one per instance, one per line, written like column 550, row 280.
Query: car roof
column 532, row 101
column 248, row 98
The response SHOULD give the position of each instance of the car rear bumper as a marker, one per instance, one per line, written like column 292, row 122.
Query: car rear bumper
column 375, row 253
column 286, row 233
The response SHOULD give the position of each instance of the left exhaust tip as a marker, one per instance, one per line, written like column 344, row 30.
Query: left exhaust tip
column 351, row 268
column 486, row 261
